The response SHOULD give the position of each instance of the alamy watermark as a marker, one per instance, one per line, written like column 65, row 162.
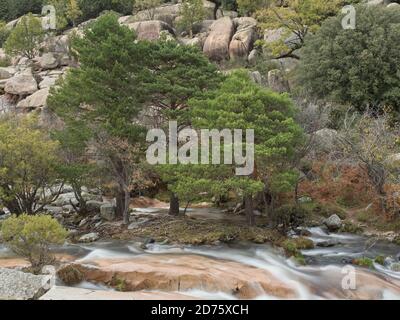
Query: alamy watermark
column 350, row 15
column 349, row 280
column 49, row 18
column 185, row 147
column 349, row 20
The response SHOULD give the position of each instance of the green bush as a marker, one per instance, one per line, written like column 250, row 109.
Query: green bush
column 289, row 216
column 31, row 238
column 292, row 248
column 380, row 260
column 364, row 262
column 70, row 275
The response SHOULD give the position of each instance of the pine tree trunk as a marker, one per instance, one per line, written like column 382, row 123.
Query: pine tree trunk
column 120, row 198
column 123, row 200
column 174, row 205
column 127, row 200
column 248, row 207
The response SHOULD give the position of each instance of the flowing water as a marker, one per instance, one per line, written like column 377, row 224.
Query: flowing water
column 321, row 278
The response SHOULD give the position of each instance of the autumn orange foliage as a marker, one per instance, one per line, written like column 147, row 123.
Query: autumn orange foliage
column 347, row 185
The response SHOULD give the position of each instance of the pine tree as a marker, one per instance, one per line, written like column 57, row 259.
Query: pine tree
column 179, row 73
column 104, row 96
column 25, row 38
column 191, row 12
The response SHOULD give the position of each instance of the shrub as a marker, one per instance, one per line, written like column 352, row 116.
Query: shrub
column 380, row 260
column 351, row 227
column 23, row 182
column 70, row 275
column 292, row 248
column 247, row 7
column 31, row 238
column 289, row 216
column 338, row 183
column 364, row 262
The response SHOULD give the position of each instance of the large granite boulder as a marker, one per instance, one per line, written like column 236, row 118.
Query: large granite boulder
column 17, row 285
column 74, row 293
column 185, row 273
column 56, row 44
column 203, row 26
column 277, row 81
column 22, row 84
column 166, row 13
column 333, row 223
column 150, row 30
column 90, row 237
column 48, row 61
column 325, row 139
column 210, row 9
column 47, row 82
column 226, row 13
column 49, row 120
column 272, row 35
column 36, row 100
column 256, row 77
column 216, row 46
column 7, row 72
column 243, row 40
column 394, row 6
column 107, row 211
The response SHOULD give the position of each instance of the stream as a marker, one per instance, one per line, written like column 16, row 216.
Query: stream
column 321, row 278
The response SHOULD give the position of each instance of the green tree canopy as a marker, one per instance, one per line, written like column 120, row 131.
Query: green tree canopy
column 29, row 166
column 31, row 238
column 242, row 104
column 357, row 67
column 178, row 73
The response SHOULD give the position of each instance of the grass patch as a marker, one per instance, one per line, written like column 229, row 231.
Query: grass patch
column 364, row 262
column 350, row 227
column 324, row 210
column 119, row 284
column 366, row 216
column 293, row 246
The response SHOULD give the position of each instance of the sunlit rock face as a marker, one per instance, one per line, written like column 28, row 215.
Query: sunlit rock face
column 183, row 273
